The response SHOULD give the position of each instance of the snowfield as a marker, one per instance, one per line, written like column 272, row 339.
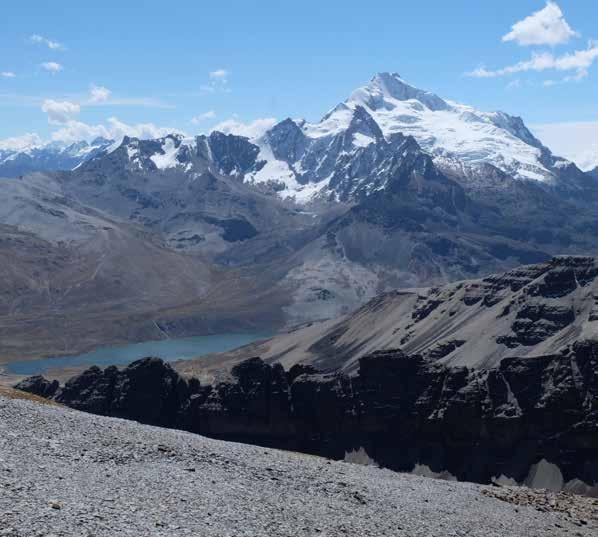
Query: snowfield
column 443, row 128
column 65, row 473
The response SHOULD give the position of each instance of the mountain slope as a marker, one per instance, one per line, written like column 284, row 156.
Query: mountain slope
column 275, row 261
column 304, row 158
column 308, row 222
column 532, row 310
column 427, row 227
column 424, row 228
column 105, row 476
column 187, row 189
column 75, row 277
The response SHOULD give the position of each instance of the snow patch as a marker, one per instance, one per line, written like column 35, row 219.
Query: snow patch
column 168, row 157
column 361, row 140
column 335, row 122
column 279, row 172
column 443, row 128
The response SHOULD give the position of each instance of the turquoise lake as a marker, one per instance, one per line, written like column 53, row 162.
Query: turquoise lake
column 167, row 349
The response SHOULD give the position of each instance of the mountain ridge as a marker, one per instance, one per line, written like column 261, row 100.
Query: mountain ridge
column 51, row 156
column 531, row 310
column 306, row 222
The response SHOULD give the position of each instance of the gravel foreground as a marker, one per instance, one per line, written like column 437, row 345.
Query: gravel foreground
column 66, row 473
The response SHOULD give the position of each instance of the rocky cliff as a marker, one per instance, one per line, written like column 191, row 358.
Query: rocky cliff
column 532, row 310
column 530, row 420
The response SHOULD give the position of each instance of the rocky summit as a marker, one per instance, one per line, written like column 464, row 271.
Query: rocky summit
column 530, row 420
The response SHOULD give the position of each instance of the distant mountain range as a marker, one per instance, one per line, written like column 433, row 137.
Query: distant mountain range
column 395, row 187
column 48, row 157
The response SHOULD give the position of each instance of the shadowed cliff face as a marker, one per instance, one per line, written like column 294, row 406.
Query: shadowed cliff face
column 400, row 411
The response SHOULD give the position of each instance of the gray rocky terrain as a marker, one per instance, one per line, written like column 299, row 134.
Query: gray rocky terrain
column 529, row 311
column 65, row 473
column 176, row 236
column 530, row 420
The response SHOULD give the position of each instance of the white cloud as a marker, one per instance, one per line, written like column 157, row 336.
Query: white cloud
column 545, row 27
column 146, row 102
column 60, row 112
column 98, row 94
column 514, row 84
column 18, row 143
column 576, row 141
column 579, row 61
column 40, row 39
column 219, row 74
column 253, row 129
column 210, row 114
column 52, row 67
column 218, row 81
column 73, row 131
column 118, row 129
column 7, row 74
column 114, row 129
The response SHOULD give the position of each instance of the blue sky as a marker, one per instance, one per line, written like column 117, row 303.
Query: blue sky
column 192, row 65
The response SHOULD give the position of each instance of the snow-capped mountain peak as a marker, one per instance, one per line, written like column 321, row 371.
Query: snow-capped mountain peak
column 303, row 157
column 454, row 134
column 55, row 155
column 217, row 153
column 387, row 87
column 304, row 160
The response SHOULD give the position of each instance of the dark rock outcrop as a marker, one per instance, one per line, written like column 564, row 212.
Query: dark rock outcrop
column 148, row 391
column 38, row 385
column 403, row 410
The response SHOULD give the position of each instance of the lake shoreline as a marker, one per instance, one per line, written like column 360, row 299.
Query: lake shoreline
column 171, row 350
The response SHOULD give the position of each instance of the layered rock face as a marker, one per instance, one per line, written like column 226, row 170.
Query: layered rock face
column 516, row 422
column 532, row 310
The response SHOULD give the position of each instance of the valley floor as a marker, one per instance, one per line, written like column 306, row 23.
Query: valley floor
column 66, row 473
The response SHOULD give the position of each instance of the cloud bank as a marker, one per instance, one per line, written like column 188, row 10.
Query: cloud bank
column 253, row 129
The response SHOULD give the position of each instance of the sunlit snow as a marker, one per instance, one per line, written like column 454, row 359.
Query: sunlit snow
column 442, row 128
column 166, row 159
